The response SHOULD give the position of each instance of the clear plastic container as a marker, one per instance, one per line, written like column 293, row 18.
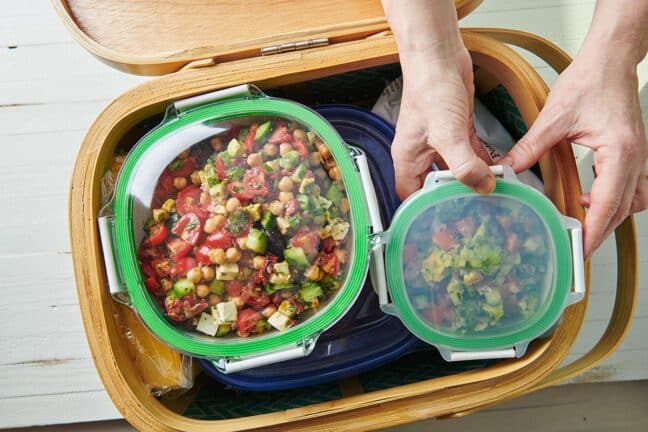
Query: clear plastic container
column 480, row 276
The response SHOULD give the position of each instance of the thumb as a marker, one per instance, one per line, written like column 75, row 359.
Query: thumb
column 546, row 131
column 467, row 167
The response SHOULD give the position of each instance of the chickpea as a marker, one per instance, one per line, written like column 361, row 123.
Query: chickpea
column 255, row 159
column 194, row 275
column 166, row 284
column 210, row 225
column 314, row 159
column 238, row 301
column 207, row 273
column 213, row 299
column 313, row 273
column 232, row 254
column 276, row 208
column 342, row 255
column 180, row 183
column 232, row 204
column 185, row 154
column 344, row 206
column 195, row 177
column 284, row 197
column 217, row 143
column 258, row 262
column 285, row 184
column 160, row 215
column 202, row 290
column 217, row 256
column 241, row 242
column 300, row 134
column 334, row 173
column 285, row 148
column 270, row 150
column 268, row 311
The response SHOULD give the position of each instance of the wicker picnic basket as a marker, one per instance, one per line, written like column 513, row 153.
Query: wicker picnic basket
column 347, row 44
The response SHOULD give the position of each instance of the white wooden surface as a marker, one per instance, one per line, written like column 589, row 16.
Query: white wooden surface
column 50, row 92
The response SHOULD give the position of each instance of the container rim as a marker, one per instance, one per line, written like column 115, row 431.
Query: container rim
column 127, row 249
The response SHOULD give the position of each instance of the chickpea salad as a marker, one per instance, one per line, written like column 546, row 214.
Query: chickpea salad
column 248, row 231
column 485, row 265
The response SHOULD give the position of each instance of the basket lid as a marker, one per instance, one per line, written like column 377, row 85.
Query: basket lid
column 470, row 272
column 147, row 37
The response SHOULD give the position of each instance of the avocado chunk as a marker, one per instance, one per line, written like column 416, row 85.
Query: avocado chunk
column 295, row 256
column 268, row 220
column 310, row 291
column 289, row 160
column 235, row 148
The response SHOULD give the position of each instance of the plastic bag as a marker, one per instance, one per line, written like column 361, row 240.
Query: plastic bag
column 494, row 138
column 163, row 370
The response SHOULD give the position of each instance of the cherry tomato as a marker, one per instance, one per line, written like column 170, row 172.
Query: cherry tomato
column 162, row 267
column 234, row 288
column 246, row 322
column 178, row 248
column 301, row 148
column 182, row 168
column 329, row 244
column 188, row 227
column 307, row 240
column 443, row 239
column 153, row 286
column 221, row 170
column 202, row 254
column 219, row 239
column 188, row 201
column 182, row 266
column 254, row 182
column 255, row 297
column 184, row 308
column 157, row 235
column 237, row 190
column 280, row 135
column 249, row 140
column 330, row 263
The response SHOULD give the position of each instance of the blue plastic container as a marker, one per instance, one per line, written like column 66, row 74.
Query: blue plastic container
column 366, row 337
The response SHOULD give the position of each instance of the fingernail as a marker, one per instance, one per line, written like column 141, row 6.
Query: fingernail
column 486, row 185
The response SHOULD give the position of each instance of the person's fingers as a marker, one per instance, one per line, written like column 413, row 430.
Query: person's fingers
column 466, row 166
column 586, row 200
column 640, row 199
column 548, row 129
column 606, row 197
column 408, row 181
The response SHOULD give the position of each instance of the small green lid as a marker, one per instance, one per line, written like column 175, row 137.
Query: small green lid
column 184, row 126
column 470, row 272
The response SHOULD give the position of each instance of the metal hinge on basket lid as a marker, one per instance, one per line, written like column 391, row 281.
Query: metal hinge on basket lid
column 240, row 91
column 294, row 46
column 116, row 284
column 300, row 349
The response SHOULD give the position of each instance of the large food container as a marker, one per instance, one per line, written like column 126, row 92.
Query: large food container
column 334, row 38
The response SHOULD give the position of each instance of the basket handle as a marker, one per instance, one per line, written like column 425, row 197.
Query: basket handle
column 625, row 236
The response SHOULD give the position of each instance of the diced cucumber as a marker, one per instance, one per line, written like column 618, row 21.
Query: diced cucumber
column 299, row 174
column 310, row 291
column 268, row 220
column 257, row 241
column 183, row 287
column 227, row 271
column 295, row 256
column 263, row 130
column 235, row 173
column 216, row 286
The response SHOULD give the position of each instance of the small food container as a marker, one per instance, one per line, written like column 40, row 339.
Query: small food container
column 480, row 276
column 242, row 228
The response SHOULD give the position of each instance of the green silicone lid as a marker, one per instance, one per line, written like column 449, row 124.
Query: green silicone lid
column 469, row 272
column 134, row 192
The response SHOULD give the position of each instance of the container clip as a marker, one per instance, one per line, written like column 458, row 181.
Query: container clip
column 116, row 285
column 240, row 91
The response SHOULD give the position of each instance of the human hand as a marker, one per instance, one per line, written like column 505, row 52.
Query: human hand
column 595, row 103
column 435, row 122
